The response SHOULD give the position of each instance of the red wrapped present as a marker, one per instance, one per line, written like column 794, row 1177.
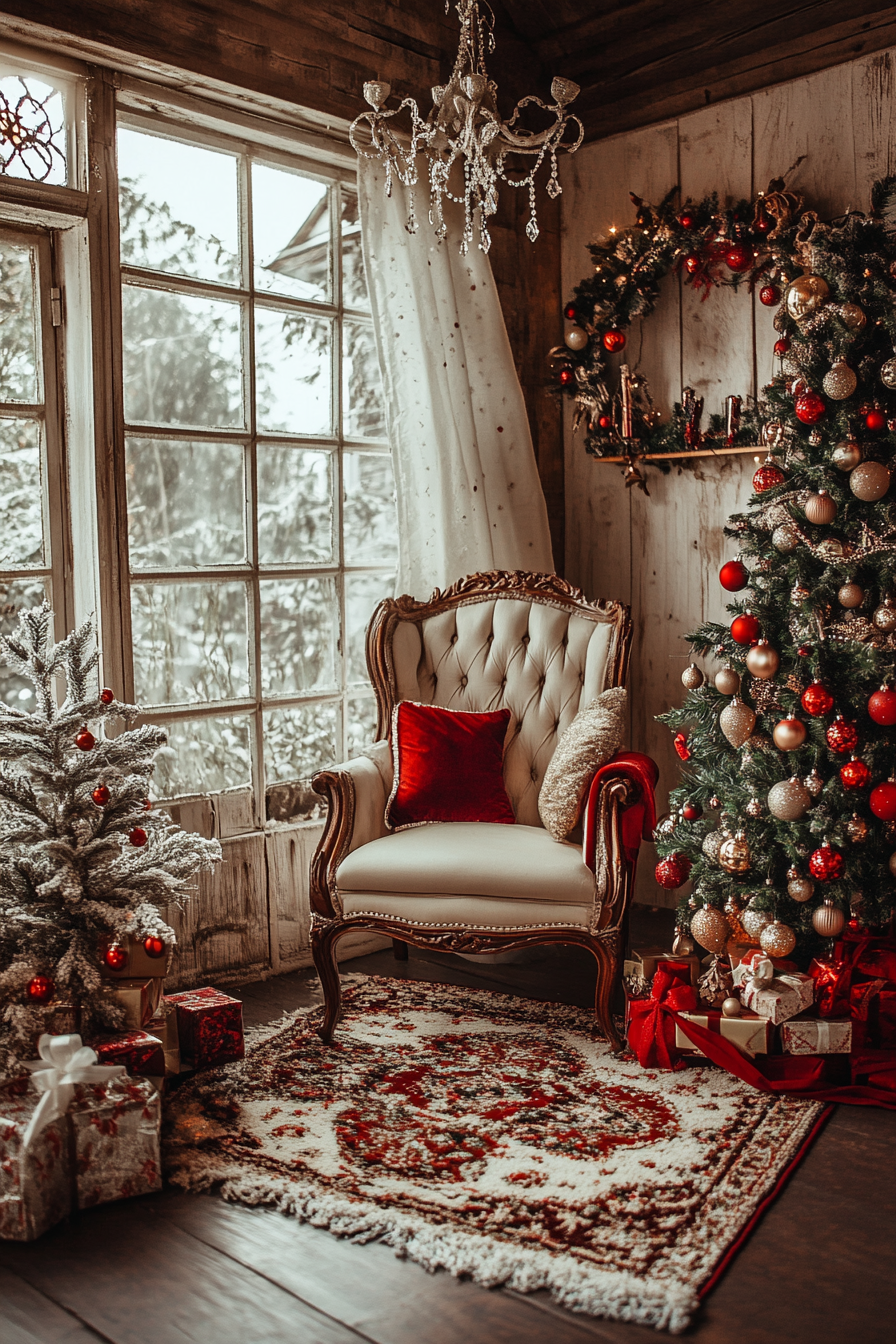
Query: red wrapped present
column 651, row 1031
column 140, row 1052
column 857, row 957
column 210, row 1027
column 116, row 1133
column 35, row 1179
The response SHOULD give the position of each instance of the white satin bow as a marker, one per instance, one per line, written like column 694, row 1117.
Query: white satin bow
column 64, row 1061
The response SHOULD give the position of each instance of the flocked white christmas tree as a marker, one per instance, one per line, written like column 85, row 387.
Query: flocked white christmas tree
column 85, row 863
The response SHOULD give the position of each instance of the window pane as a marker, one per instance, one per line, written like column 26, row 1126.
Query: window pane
column 295, row 505
column 178, row 207
column 363, row 592
column 291, row 224
column 190, row 641
column 369, row 521
column 204, row 756
column 32, row 129
column 362, row 392
column 21, row 495
column 292, row 369
column 182, row 359
column 354, row 284
column 186, row 503
column 360, row 723
column 20, row 365
column 299, row 741
column 299, row 635
column 18, row 595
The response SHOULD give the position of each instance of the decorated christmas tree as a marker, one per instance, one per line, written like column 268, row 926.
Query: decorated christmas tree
column 85, row 864
column 785, row 817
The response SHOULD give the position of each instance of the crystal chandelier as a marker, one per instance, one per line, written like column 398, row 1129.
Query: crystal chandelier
column 464, row 125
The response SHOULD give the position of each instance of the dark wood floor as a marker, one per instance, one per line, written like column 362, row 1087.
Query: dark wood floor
column 185, row 1269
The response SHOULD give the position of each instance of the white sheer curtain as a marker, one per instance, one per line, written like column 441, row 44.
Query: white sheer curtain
column 469, row 497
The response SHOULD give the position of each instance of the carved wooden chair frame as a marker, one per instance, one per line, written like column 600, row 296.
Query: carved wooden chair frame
column 602, row 820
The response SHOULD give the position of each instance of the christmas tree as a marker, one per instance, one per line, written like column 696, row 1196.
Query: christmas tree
column 85, row 864
column 785, row 819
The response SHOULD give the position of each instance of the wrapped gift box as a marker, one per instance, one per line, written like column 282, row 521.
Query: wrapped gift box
column 751, row 1034
column 644, row 960
column 209, row 1027
column 816, row 1036
column 782, row 999
column 35, row 1186
column 140, row 999
column 116, row 1139
column 164, row 1027
column 140, row 1052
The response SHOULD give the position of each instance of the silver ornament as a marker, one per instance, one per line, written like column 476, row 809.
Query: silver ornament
column 789, row 800
column 727, row 681
column 785, row 538
column 839, row 381
column 754, row 808
column 814, row 783
column 576, row 338
column 800, row 888
column 891, row 864
column 846, row 455
column 885, row 616
column 711, row 929
column 682, row 943
column 850, row 595
column 888, row 374
column 692, row 677
column 777, row 939
column 762, row 660
column 852, row 316
column 831, row 548
column 870, row 481
column 712, row 843
column 737, row 721
column 754, row 921
column 805, row 295
column 731, row 1007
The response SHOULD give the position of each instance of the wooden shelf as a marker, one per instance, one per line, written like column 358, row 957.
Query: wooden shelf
column 695, row 452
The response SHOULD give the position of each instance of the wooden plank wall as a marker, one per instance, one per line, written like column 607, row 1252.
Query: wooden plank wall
column 662, row 554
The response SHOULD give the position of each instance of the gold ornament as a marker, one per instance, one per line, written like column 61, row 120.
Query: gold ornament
column 785, row 538
column 666, row 825
column 885, row 616
column 839, row 381
column 789, row 734
column 789, row 800
column 777, row 939
column 692, row 677
column 828, row 920
column 805, row 295
column 715, row 984
column 852, row 316
column 754, row 921
column 576, row 338
column 851, row 595
column 682, row 943
column 711, row 845
column 870, row 481
column 754, row 808
column 888, row 374
column 711, row 929
column 857, row 829
column 734, row 854
column 831, row 548
column 731, row 1007
column 727, row 681
column 799, row 888
column 814, row 783
column 846, row 455
column 737, row 721
column 762, row 660
column 891, row 864
column 820, row 509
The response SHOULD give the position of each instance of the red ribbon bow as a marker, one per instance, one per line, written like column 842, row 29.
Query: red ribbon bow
column 651, row 1032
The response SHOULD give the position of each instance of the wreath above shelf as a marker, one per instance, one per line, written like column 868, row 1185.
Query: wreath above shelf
column 763, row 243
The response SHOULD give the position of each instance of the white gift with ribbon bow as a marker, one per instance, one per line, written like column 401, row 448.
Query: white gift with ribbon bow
column 64, row 1062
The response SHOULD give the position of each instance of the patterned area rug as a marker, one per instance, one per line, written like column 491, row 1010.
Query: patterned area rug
column 495, row 1138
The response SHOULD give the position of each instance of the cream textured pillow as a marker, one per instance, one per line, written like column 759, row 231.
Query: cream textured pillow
column 594, row 735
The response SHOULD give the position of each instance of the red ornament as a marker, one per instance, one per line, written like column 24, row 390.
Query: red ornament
column 101, row 795
column 692, row 811
column 569, row 312
column 766, row 477
column 739, row 257
column 817, row 700
column 107, row 696
column 614, row 339
column 876, row 421
column 692, row 263
column 826, row 864
column 138, row 837
column 745, row 629
column 686, row 220
column 41, row 989
column 566, row 377
column 883, row 800
column 154, row 947
column 769, row 295
column 842, row 735
column 680, row 743
column 855, row 775
column 147, row 806
column 782, row 346
column 116, row 957
column 763, row 222
column 733, row 576
column 605, row 421
column 673, row 872
column 804, row 650
column 85, row 739
column 882, row 707
column 810, row 407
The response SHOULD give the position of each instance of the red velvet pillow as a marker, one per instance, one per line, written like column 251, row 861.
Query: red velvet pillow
column 449, row 766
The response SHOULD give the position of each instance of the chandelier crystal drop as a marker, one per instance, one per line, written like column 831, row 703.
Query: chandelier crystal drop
column 465, row 128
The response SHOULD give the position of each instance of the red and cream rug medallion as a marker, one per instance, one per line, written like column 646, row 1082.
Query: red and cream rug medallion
column 495, row 1138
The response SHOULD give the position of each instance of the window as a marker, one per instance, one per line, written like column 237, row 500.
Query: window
column 261, row 523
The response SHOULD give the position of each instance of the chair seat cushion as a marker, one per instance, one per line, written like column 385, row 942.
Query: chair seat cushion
column 516, row 863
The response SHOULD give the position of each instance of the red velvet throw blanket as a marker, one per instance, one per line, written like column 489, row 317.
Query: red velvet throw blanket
column 639, row 816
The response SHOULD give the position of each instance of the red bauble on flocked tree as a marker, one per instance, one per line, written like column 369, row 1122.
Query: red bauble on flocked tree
column 613, row 340
column 673, row 872
column 40, row 989
column 155, row 947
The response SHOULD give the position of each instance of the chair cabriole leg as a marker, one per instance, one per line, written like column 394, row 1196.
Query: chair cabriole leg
column 323, row 951
column 607, row 961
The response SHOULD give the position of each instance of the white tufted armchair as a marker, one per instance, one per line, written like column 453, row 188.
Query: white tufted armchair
column 537, row 646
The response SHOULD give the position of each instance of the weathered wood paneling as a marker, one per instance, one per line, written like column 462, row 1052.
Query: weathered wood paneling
column 225, row 924
column 662, row 554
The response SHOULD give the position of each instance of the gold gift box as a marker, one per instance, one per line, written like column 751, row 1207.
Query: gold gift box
column 751, row 1033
